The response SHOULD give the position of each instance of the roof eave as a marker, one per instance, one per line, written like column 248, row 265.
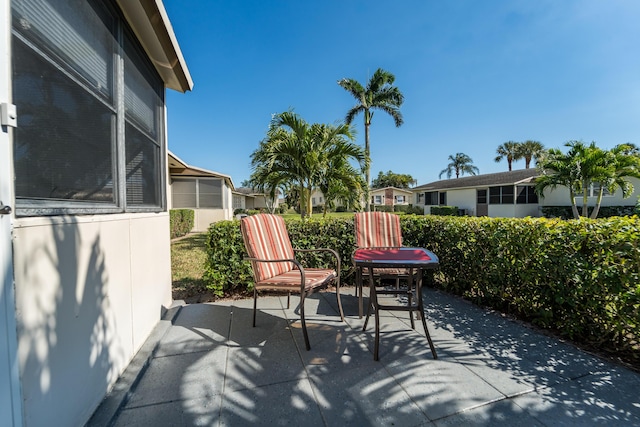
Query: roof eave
column 151, row 25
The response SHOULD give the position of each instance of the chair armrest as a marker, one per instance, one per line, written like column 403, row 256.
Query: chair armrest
column 335, row 254
column 294, row 261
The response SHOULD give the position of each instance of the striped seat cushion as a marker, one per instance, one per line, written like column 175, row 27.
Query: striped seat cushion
column 377, row 230
column 290, row 281
column 265, row 237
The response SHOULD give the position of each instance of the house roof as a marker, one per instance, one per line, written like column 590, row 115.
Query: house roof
column 499, row 178
column 149, row 21
column 179, row 168
column 403, row 190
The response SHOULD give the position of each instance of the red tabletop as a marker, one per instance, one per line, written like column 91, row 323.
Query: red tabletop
column 405, row 256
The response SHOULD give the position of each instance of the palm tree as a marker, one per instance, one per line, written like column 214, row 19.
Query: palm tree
column 380, row 94
column 510, row 151
column 530, row 150
column 559, row 170
column 622, row 162
column 461, row 164
column 282, row 159
column 297, row 155
column 587, row 165
column 335, row 177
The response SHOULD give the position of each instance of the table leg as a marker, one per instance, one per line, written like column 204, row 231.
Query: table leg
column 409, row 295
column 359, row 290
column 422, row 316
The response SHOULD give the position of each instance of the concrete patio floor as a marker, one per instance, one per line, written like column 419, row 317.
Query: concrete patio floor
column 206, row 365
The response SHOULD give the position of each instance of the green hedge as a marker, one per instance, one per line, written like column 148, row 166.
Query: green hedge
column 564, row 212
column 444, row 210
column 581, row 278
column 180, row 222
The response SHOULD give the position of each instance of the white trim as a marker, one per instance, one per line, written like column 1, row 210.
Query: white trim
column 11, row 406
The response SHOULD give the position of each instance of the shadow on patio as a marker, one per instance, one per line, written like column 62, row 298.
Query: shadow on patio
column 212, row 368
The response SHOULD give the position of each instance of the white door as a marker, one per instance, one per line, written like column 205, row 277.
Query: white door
column 10, row 396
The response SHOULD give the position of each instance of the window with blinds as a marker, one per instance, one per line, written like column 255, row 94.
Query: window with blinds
column 90, row 111
column 197, row 193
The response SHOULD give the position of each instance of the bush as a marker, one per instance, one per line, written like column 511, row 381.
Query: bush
column 409, row 209
column 382, row 208
column 444, row 210
column 180, row 222
column 581, row 278
column 564, row 212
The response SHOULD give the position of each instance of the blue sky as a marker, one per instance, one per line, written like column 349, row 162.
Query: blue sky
column 474, row 74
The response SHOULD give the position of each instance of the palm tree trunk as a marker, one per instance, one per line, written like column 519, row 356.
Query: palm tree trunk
column 367, row 169
column 585, row 199
column 594, row 214
column 574, row 208
column 303, row 207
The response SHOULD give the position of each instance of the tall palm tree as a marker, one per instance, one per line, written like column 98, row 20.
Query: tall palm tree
column 460, row 164
column 379, row 94
column 530, row 150
column 509, row 150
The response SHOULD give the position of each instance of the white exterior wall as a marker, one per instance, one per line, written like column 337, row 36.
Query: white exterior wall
column 502, row 211
column 560, row 197
column 89, row 290
column 463, row 199
column 524, row 210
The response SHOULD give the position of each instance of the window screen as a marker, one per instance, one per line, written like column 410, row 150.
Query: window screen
column 78, row 147
column 210, row 193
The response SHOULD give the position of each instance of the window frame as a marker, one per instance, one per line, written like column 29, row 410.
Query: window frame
column 504, row 192
column 29, row 206
column 197, row 194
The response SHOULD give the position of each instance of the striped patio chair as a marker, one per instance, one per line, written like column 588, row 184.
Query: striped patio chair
column 275, row 267
column 378, row 230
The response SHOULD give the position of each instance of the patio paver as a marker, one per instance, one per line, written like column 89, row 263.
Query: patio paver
column 210, row 367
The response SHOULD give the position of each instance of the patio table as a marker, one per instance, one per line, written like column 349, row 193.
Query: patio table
column 418, row 259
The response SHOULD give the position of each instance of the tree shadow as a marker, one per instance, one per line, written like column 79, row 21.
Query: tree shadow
column 68, row 343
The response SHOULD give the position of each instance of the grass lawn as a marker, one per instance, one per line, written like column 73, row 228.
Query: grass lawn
column 188, row 256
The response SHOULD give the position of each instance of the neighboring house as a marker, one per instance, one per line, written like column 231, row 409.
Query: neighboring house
column 505, row 194
column 85, row 264
column 210, row 194
column 248, row 198
column 391, row 196
column 502, row 194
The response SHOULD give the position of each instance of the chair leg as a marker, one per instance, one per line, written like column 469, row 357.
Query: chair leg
column 288, row 300
column 339, row 299
column 255, row 303
column 304, row 323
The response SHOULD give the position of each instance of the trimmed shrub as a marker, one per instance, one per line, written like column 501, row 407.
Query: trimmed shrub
column 564, row 212
column 444, row 210
column 180, row 222
column 381, row 208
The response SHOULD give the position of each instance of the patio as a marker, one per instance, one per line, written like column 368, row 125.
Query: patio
column 206, row 365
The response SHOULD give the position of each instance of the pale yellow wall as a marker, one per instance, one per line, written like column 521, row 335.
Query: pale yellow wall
column 89, row 290
column 204, row 217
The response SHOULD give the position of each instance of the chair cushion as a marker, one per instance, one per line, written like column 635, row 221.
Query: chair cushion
column 290, row 281
column 377, row 229
column 265, row 237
